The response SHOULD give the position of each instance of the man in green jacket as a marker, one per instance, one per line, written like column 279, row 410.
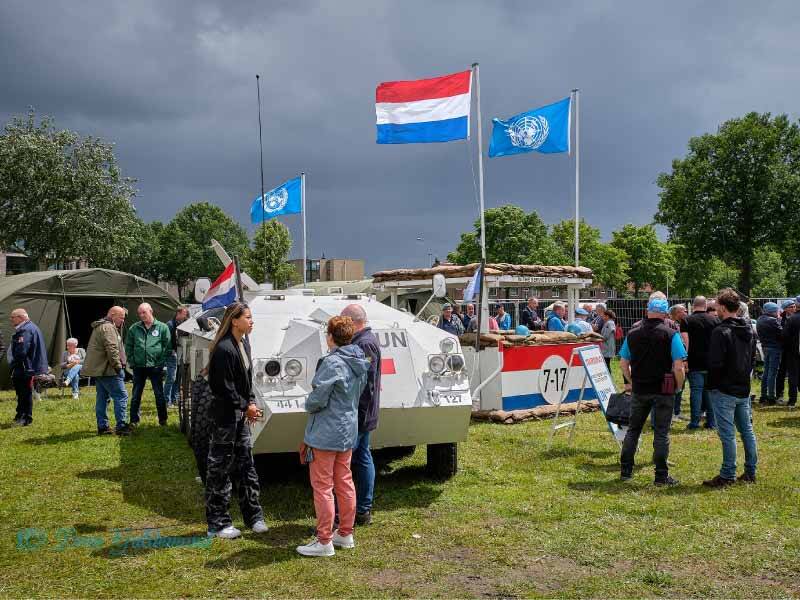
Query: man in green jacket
column 147, row 347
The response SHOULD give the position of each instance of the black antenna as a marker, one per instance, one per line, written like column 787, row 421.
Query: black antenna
column 261, row 164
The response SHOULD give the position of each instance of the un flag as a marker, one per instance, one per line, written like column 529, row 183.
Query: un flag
column 286, row 199
column 544, row 129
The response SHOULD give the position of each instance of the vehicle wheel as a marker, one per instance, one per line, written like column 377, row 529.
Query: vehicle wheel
column 202, row 423
column 442, row 460
column 184, row 398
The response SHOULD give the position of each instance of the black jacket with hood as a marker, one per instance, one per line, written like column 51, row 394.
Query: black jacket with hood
column 730, row 357
column 230, row 382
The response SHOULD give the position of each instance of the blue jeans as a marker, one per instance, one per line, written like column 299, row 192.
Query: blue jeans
column 733, row 412
column 112, row 386
column 698, row 399
column 772, row 360
column 172, row 382
column 363, row 473
column 73, row 377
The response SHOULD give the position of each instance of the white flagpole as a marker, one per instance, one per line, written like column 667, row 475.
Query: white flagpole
column 577, row 178
column 303, row 204
column 484, row 303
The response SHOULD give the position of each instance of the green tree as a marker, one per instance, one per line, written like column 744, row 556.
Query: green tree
column 701, row 277
column 730, row 194
column 143, row 258
column 512, row 236
column 269, row 251
column 608, row 263
column 769, row 274
column 185, row 243
column 650, row 261
column 62, row 196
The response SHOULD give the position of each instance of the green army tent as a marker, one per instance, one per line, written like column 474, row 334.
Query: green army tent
column 64, row 303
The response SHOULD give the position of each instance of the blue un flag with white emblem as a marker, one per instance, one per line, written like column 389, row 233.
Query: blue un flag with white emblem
column 544, row 129
column 286, row 199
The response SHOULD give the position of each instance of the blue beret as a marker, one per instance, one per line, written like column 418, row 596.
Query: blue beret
column 581, row 311
column 658, row 305
column 787, row 303
column 770, row 307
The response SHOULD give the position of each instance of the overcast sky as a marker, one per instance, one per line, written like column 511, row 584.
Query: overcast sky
column 172, row 84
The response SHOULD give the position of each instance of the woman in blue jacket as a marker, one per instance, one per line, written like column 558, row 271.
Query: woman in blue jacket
column 331, row 434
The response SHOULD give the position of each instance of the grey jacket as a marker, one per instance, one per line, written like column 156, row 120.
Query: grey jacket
column 333, row 402
column 65, row 356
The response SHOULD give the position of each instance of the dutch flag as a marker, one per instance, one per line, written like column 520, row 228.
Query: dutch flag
column 426, row 110
column 223, row 291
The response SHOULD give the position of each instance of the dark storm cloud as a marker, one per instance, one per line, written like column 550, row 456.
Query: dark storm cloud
column 172, row 84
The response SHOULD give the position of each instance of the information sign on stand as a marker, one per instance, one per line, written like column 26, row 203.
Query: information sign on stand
column 597, row 374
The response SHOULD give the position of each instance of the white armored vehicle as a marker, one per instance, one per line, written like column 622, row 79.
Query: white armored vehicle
column 425, row 395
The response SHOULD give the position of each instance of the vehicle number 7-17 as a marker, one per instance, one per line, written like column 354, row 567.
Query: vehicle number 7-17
column 555, row 377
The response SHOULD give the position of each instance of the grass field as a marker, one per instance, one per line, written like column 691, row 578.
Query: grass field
column 517, row 521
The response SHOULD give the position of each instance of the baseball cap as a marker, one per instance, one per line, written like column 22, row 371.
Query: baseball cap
column 787, row 303
column 658, row 305
column 446, row 305
column 581, row 311
column 770, row 307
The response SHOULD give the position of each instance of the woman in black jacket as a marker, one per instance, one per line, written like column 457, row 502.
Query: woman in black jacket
column 230, row 375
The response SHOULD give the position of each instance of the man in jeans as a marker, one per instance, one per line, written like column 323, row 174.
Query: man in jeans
column 368, row 407
column 104, row 362
column 652, row 360
column 172, row 385
column 699, row 326
column 788, row 308
column 729, row 365
column 771, row 335
column 147, row 347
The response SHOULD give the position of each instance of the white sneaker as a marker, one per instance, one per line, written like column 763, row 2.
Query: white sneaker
column 314, row 548
column 343, row 541
column 259, row 527
column 75, row 396
column 228, row 533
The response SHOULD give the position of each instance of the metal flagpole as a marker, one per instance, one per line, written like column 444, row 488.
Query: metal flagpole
column 303, row 204
column 577, row 178
column 484, row 304
column 261, row 164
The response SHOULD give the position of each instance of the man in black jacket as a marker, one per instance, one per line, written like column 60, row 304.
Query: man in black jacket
column 530, row 317
column 770, row 333
column 368, row 407
column 699, row 326
column 729, row 366
column 788, row 308
column 791, row 354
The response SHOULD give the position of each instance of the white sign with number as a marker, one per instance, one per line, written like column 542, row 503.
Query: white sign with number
column 552, row 378
column 600, row 378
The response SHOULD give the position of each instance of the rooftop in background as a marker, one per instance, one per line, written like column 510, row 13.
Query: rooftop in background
column 330, row 269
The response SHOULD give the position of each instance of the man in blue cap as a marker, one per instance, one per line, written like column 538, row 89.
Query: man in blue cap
column 581, row 314
column 770, row 333
column 788, row 308
column 651, row 358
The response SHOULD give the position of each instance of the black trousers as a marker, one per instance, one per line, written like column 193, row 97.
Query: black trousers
column 140, row 377
column 23, row 386
column 641, row 405
column 230, row 455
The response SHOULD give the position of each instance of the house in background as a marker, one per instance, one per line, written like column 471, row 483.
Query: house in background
column 330, row 269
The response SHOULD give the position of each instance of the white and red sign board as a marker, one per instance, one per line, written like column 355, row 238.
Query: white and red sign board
column 602, row 384
column 537, row 375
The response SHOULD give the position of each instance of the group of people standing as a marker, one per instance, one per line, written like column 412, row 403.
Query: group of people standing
column 718, row 364
column 779, row 332
column 149, row 351
column 343, row 411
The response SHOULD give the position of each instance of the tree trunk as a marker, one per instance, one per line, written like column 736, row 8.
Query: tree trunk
column 746, row 276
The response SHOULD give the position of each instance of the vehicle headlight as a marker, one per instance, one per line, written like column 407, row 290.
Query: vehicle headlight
column 455, row 363
column 447, row 345
column 436, row 364
column 293, row 367
column 272, row 368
